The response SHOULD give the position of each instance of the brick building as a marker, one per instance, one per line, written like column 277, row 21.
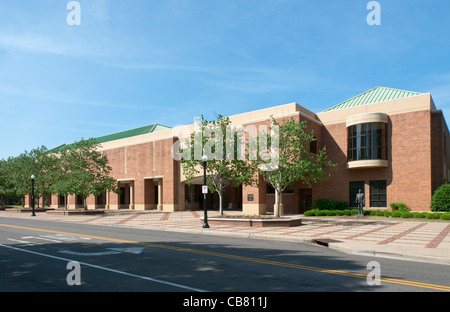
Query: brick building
column 390, row 143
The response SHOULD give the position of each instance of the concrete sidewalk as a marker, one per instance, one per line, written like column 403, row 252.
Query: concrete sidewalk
column 408, row 240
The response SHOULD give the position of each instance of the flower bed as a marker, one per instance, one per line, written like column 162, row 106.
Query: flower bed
column 254, row 221
column 74, row 212
column 27, row 210
column 379, row 213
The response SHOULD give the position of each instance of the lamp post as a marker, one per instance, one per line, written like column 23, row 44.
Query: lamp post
column 204, row 191
column 32, row 195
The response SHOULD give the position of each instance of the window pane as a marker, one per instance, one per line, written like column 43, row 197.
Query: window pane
column 369, row 140
column 378, row 193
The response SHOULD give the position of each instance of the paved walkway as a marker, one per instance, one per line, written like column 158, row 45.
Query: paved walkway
column 411, row 240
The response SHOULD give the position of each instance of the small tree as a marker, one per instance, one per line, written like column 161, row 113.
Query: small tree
column 226, row 164
column 292, row 157
column 84, row 171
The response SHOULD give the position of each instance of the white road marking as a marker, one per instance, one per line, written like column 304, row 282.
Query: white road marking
column 100, row 253
column 107, row 269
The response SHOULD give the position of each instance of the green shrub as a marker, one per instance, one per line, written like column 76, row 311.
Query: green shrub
column 433, row 215
column 353, row 212
column 309, row 213
column 387, row 213
column 399, row 207
column 379, row 213
column 320, row 213
column 396, row 214
column 329, row 204
column 373, row 212
column 338, row 212
column 346, row 212
column 441, row 198
column 340, row 205
column 407, row 214
column 445, row 216
column 418, row 215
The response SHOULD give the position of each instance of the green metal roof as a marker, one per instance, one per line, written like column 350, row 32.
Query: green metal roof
column 375, row 95
column 130, row 133
column 120, row 135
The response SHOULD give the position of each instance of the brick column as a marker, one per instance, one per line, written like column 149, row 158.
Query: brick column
column 254, row 198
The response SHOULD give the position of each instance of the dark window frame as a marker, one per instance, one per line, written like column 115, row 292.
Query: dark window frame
column 313, row 146
column 378, row 194
column 353, row 188
column 367, row 141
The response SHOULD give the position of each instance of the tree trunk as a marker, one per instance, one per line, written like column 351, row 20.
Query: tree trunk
column 278, row 201
column 65, row 201
column 220, row 192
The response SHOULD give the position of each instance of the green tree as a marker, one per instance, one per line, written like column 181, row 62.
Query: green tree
column 84, row 171
column 226, row 165
column 5, row 185
column 291, row 156
column 21, row 168
column 62, row 180
column 44, row 166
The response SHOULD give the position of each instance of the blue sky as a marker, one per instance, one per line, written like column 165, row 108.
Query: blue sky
column 135, row 63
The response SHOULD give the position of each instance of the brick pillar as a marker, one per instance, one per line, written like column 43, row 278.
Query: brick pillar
column 91, row 202
column 254, row 198
column 113, row 200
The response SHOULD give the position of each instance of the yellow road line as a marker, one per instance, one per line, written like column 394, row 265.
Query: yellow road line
column 242, row 258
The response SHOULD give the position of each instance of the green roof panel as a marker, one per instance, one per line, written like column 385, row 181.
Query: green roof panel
column 375, row 95
column 120, row 135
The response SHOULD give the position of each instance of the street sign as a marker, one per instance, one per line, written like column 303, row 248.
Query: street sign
column 204, row 189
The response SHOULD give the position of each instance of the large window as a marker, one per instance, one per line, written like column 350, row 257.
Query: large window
column 378, row 194
column 367, row 141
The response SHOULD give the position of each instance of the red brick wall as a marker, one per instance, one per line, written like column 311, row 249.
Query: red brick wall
column 408, row 174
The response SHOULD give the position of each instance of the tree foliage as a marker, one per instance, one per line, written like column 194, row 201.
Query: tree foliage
column 289, row 149
column 78, row 169
column 226, row 165
column 83, row 171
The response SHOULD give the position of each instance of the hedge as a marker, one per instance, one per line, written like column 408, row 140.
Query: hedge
column 445, row 216
column 407, row 215
column 392, row 214
column 329, row 204
column 433, row 215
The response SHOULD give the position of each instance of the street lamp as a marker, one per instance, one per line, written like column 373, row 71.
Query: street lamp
column 32, row 195
column 204, row 191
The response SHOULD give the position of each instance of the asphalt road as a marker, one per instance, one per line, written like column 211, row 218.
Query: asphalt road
column 43, row 256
